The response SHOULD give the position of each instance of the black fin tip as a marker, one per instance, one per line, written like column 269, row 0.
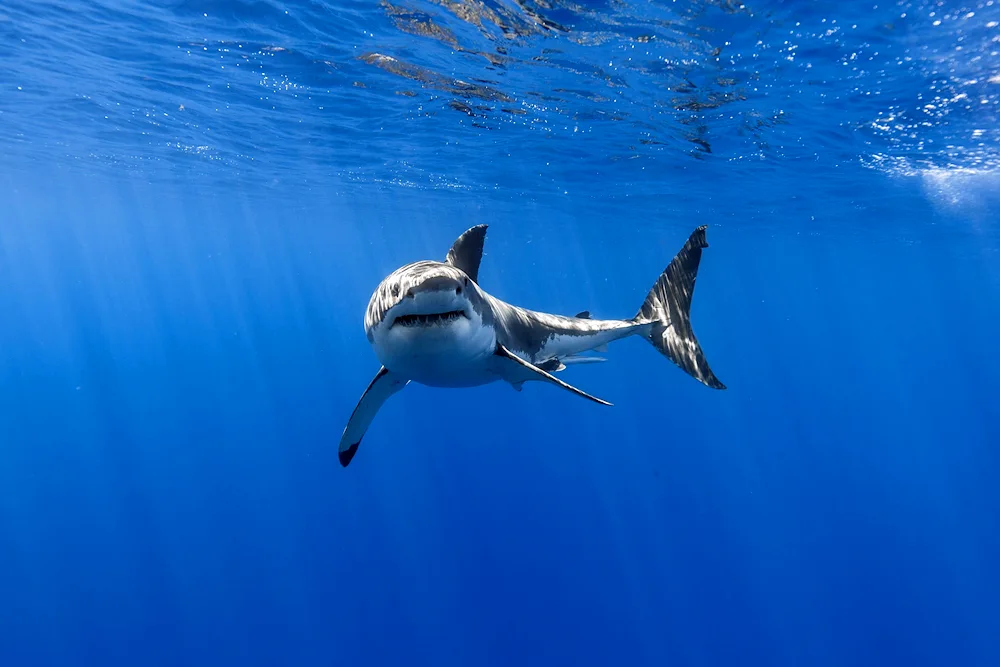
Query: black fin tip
column 348, row 454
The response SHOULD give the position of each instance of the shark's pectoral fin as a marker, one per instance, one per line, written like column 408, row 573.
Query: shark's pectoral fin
column 382, row 386
column 516, row 370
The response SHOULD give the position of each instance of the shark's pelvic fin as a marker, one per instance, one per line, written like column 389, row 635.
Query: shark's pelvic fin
column 552, row 366
column 514, row 369
column 467, row 251
column 556, row 365
column 382, row 386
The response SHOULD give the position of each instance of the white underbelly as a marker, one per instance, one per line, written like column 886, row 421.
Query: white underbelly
column 456, row 354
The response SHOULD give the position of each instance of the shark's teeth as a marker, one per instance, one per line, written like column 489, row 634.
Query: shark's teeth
column 430, row 319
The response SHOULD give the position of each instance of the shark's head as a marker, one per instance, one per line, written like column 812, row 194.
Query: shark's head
column 426, row 318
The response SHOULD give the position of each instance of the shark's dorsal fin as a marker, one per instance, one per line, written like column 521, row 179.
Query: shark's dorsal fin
column 583, row 315
column 467, row 251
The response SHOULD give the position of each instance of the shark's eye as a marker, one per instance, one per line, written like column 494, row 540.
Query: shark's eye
column 458, row 290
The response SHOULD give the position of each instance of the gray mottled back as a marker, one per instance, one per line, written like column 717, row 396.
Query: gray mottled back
column 528, row 331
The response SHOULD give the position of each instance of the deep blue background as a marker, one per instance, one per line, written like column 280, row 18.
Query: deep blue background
column 181, row 344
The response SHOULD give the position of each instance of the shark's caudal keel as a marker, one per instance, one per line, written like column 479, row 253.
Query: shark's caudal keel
column 429, row 322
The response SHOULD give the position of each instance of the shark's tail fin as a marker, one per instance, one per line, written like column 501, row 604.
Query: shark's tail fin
column 667, row 309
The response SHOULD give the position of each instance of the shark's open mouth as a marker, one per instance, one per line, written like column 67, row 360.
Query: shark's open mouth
column 429, row 319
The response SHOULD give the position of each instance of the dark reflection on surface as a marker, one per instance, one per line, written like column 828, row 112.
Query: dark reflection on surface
column 617, row 58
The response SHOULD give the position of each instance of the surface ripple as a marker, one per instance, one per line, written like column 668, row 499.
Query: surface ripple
column 490, row 95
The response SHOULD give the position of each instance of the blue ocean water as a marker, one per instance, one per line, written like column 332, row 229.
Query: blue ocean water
column 197, row 198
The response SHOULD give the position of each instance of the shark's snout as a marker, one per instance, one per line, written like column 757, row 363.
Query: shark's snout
column 443, row 284
column 439, row 300
column 421, row 288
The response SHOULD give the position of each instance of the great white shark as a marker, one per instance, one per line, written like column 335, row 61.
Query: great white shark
column 430, row 322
